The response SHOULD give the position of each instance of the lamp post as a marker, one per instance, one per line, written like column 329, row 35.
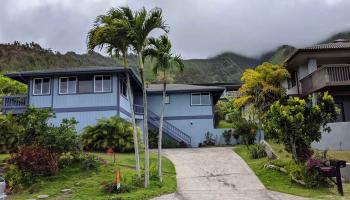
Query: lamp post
column 2, row 189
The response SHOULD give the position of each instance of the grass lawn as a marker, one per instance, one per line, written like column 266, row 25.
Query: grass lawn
column 88, row 184
column 340, row 155
column 278, row 181
column 224, row 124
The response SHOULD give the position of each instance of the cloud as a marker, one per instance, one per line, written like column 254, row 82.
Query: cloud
column 199, row 28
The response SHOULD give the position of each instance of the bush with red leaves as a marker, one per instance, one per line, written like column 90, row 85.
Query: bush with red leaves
column 35, row 160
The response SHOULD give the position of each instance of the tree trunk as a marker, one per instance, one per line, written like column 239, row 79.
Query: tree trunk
column 134, row 130
column 161, row 133
column 145, row 120
column 294, row 149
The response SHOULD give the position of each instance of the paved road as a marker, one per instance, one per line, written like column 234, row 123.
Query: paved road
column 216, row 173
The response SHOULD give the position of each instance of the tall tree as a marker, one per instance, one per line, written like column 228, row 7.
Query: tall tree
column 139, row 25
column 160, row 50
column 261, row 87
column 110, row 34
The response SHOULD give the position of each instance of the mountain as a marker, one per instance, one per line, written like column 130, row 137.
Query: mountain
column 225, row 67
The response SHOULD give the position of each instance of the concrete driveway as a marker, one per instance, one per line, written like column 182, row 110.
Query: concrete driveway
column 215, row 173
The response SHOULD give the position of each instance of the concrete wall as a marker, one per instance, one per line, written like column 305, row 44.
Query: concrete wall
column 337, row 139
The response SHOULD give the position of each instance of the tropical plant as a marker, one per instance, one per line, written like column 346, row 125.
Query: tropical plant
column 108, row 32
column 297, row 123
column 139, row 25
column 165, row 61
column 113, row 132
column 257, row 151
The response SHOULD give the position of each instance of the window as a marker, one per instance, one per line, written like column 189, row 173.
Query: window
column 123, row 88
column 102, row 83
column 85, row 84
column 292, row 81
column 41, row 86
column 67, row 85
column 167, row 99
column 200, row 98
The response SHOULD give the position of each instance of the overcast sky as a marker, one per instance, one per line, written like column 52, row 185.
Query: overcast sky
column 199, row 28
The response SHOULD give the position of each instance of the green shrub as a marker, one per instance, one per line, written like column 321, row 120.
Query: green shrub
column 166, row 141
column 10, row 132
column 113, row 132
column 227, row 134
column 257, row 151
column 89, row 162
column 209, row 139
column 246, row 130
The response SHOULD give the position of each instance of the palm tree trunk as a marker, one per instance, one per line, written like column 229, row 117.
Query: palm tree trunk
column 134, row 130
column 145, row 120
column 161, row 133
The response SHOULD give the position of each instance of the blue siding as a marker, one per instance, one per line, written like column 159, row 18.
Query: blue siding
column 84, row 118
column 40, row 101
column 85, row 100
column 180, row 105
column 195, row 121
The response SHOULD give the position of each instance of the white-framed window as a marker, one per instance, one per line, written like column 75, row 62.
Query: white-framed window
column 41, row 86
column 102, row 83
column 200, row 98
column 123, row 88
column 67, row 85
column 167, row 99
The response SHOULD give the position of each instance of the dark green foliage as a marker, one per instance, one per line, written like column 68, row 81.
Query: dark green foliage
column 37, row 132
column 311, row 178
column 257, row 151
column 9, row 133
column 113, row 132
column 227, row 134
column 32, row 129
column 297, row 123
column 166, row 141
column 245, row 130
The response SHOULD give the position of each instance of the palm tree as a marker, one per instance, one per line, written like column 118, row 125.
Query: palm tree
column 108, row 33
column 140, row 24
column 160, row 49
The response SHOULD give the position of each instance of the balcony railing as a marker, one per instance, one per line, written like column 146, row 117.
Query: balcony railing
column 138, row 109
column 327, row 75
column 15, row 104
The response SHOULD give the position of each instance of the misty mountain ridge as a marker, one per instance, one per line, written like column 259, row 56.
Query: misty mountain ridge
column 224, row 67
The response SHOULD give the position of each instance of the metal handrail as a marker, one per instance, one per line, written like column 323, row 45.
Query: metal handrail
column 173, row 130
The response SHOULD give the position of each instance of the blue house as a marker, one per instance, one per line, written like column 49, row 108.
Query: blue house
column 91, row 93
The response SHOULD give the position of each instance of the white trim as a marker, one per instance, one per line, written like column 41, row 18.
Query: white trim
column 41, row 86
column 200, row 99
column 67, row 77
column 102, row 88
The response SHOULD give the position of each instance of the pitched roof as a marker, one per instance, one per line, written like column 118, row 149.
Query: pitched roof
column 340, row 44
column 336, row 44
column 154, row 88
column 68, row 71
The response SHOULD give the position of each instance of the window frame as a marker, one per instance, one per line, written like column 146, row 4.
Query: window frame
column 67, row 77
column 41, row 86
column 121, row 86
column 200, row 98
column 110, row 84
